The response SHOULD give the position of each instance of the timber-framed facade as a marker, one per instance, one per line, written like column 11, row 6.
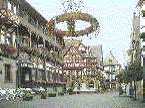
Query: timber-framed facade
column 30, row 56
column 81, row 65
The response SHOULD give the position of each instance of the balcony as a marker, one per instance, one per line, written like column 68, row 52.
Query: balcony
column 24, row 22
column 7, row 15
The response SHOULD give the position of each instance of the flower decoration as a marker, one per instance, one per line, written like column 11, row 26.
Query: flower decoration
column 71, row 20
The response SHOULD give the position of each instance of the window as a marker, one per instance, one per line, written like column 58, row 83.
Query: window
column 7, row 73
column 8, row 39
column 15, row 9
column 12, row 7
column 9, row 5
column 22, row 13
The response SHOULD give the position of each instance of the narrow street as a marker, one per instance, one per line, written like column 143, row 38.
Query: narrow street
column 108, row 100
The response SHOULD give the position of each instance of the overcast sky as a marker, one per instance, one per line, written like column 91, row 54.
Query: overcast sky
column 114, row 16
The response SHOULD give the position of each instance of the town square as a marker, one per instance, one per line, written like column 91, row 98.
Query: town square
column 72, row 54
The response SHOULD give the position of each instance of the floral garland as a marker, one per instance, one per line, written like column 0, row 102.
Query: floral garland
column 71, row 18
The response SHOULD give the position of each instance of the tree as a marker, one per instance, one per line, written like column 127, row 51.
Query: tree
column 121, row 76
column 134, row 73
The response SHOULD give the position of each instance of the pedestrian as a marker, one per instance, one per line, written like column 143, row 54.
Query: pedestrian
column 131, row 91
column 127, row 89
column 120, row 90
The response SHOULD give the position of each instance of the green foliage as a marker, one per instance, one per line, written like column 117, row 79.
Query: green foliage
column 60, row 93
column 142, row 35
column 43, row 95
column 120, row 77
column 143, row 13
column 28, row 96
column 134, row 72
column 51, row 94
column 70, row 91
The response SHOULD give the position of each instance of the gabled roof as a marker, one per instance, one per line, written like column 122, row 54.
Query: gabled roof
column 84, row 51
column 70, row 44
column 110, row 59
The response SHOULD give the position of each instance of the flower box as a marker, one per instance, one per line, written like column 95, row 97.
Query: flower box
column 11, row 50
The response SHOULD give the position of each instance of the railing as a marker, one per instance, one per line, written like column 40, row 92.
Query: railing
column 34, row 29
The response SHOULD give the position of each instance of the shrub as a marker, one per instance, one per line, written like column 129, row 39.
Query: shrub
column 61, row 94
column 43, row 95
column 70, row 90
column 52, row 95
column 28, row 96
column 71, row 93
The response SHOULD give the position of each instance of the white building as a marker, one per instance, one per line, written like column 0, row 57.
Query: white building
column 111, row 70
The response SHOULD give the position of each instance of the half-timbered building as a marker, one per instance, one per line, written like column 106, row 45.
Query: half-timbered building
column 81, row 65
column 29, row 55
column 111, row 68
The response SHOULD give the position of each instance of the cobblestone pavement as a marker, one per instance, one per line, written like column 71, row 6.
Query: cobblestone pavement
column 109, row 100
